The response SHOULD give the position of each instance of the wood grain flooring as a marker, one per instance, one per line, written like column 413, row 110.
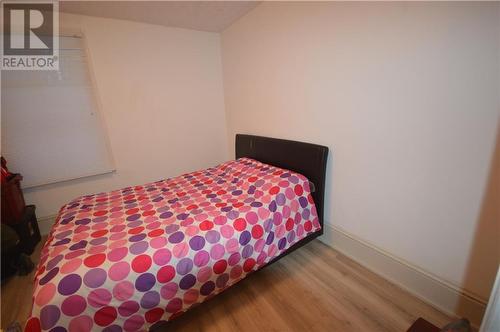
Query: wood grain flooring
column 313, row 289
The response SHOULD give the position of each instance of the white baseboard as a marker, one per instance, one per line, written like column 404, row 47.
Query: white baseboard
column 449, row 298
column 45, row 224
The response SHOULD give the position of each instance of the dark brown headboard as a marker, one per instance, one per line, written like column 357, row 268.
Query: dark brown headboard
column 304, row 158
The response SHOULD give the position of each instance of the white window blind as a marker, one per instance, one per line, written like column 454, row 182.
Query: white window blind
column 51, row 128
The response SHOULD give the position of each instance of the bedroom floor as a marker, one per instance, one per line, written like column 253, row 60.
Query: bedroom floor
column 313, row 289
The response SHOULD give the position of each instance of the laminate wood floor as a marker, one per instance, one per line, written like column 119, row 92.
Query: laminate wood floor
column 314, row 288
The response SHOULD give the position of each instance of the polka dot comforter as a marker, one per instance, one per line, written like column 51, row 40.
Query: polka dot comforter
column 130, row 259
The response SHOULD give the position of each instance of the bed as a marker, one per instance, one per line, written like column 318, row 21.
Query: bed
column 135, row 258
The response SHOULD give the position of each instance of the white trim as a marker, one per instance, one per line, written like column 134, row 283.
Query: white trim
column 445, row 296
column 45, row 224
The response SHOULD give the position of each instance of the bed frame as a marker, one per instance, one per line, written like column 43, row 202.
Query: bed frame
column 304, row 158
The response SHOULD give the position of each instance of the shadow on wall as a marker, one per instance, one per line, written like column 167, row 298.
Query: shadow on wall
column 485, row 253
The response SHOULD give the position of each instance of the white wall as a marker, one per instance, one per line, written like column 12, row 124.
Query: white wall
column 406, row 95
column 161, row 99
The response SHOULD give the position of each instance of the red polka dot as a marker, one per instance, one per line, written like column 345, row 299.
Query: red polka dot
column 310, row 199
column 165, row 274
column 156, row 232
column 99, row 233
column 136, row 230
column 220, row 204
column 154, row 315
column 148, row 213
column 94, row 260
column 274, row 190
column 220, row 266
column 132, row 211
column 141, row 263
column 252, row 179
column 206, row 225
column 238, row 205
column 192, row 207
column 298, row 190
column 240, row 224
column 100, row 213
column 257, row 231
column 248, row 265
column 289, row 224
column 105, row 316
column 308, row 226
column 33, row 325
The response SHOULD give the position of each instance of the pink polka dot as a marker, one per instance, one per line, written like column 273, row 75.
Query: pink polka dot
column 217, row 251
column 119, row 271
column 162, row 256
column 123, row 290
column 134, row 323
column 232, row 245
column 73, row 305
column 192, row 230
column 169, row 290
column 227, row 231
column 204, row 274
column 158, row 242
column 180, row 250
column 71, row 266
column 99, row 297
column 251, row 217
column 80, row 324
column 117, row 254
column 45, row 294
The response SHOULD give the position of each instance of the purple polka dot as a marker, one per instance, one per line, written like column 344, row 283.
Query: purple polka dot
column 98, row 241
column 69, row 284
column 281, row 243
column 150, row 300
column 303, row 201
column 139, row 247
column 145, row 282
column 247, row 251
column 280, row 199
column 212, row 237
column 58, row 329
column 171, row 228
column 207, row 288
column 53, row 262
column 94, row 278
column 233, row 214
column 133, row 217
column 272, row 206
column 245, row 237
column 270, row 238
column 137, row 237
column 49, row 315
column 197, row 243
column 187, row 281
column 176, row 237
column 166, row 215
column 184, row 266
column 113, row 328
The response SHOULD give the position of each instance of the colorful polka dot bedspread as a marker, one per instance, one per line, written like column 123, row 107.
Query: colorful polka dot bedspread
column 131, row 259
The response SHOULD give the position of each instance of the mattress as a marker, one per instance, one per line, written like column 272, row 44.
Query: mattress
column 131, row 259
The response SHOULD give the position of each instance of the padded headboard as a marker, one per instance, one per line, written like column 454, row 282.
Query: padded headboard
column 304, row 158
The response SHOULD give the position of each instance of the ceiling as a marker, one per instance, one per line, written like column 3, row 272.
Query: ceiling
column 212, row 16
